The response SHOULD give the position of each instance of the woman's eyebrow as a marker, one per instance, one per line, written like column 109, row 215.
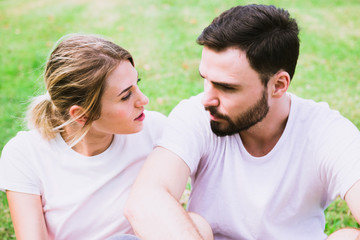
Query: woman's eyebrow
column 125, row 90
column 128, row 88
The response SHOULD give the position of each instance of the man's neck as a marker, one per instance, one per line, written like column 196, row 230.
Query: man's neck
column 260, row 139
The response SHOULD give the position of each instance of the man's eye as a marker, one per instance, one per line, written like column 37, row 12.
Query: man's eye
column 227, row 89
column 127, row 96
column 230, row 89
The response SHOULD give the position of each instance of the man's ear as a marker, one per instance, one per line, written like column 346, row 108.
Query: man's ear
column 77, row 113
column 281, row 83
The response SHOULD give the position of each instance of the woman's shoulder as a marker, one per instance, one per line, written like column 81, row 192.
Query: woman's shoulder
column 25, row 139
column 29, row 136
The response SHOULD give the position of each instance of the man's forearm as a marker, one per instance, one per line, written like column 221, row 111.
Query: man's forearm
column 157, row 215
column 153, row 208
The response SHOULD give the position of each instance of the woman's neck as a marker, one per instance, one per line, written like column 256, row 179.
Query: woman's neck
column 91, row 144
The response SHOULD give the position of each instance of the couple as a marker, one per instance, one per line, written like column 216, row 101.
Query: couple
column 264, row 163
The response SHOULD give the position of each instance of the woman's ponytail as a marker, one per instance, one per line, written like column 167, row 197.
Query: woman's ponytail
column 43, row 115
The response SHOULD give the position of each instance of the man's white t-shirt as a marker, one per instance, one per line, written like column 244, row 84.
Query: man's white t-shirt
column 279, row 196
column 82, row 197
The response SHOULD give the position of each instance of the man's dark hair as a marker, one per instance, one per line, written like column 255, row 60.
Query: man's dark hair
column 268, row 36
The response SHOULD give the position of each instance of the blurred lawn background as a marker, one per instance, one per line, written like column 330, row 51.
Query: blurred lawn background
column 161, row 36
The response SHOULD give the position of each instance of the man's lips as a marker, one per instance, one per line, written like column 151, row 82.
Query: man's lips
column 141, row 117
column 214, row 115
column 213, row 118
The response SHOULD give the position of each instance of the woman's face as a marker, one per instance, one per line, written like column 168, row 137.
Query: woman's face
column 122, row 103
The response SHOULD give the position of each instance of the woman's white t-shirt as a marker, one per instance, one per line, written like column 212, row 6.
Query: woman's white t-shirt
column 82, row 197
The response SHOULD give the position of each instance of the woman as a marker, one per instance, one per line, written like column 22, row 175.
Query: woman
column 68, row 177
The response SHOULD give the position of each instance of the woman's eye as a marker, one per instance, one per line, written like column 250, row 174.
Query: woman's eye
column 127, row 96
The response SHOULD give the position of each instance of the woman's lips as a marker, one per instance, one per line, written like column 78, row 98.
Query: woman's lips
column 141, row 117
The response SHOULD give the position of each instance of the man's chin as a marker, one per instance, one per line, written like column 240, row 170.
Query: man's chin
column 220, row 130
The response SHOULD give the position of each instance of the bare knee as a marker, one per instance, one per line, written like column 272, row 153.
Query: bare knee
column 202, row 225
column 345, row 234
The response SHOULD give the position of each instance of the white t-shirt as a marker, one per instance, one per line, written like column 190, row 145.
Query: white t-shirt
column 82, row 197
column 281, row 195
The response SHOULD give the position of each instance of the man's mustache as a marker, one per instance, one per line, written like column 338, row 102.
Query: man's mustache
column 213, row 111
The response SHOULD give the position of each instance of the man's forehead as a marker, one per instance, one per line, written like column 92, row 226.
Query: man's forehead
column 230, row 66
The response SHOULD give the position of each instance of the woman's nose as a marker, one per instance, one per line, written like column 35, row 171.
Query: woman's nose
column 142, row 100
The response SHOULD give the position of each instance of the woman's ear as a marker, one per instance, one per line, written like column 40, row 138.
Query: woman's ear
column 281, row 83
column 77, row 113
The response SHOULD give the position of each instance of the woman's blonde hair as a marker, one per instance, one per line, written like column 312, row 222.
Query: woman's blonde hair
column 75, row 74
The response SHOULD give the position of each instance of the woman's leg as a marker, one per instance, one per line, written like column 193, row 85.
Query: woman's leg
column 345, row 234
column 123, row 237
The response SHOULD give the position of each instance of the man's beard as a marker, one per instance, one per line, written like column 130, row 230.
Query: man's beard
column 242, row 122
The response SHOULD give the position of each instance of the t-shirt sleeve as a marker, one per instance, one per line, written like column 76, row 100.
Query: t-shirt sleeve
column 156, row 124
column 340, row 160
column 17, row 172
column 187, row 132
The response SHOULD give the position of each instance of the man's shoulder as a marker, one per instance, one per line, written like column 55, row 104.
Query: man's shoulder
column 191, row 105
column 319, row 118
column 154, row 117
column 313, row 111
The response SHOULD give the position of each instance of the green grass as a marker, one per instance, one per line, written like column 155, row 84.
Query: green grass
column 161, row 36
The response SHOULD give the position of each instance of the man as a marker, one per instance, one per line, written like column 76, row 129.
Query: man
column 269, row 162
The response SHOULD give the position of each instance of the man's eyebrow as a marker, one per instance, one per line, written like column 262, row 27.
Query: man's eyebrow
column 220, row 84
column 226, row 85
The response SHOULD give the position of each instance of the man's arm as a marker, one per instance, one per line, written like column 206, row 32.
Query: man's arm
column 153, row 207
column 27, row 216
column 352, row 198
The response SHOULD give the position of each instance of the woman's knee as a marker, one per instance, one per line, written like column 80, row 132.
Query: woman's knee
column 345, row 234
column 123, row 237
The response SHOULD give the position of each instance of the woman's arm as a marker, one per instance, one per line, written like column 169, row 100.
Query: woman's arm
column 27, row 216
